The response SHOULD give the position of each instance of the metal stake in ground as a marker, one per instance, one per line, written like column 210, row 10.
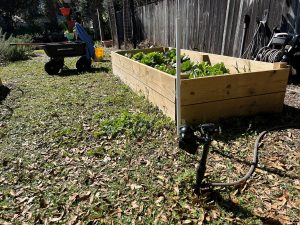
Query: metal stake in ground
column 178, row 68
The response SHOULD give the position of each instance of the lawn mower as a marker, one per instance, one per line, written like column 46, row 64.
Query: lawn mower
column 276, row 46
column 283, row 47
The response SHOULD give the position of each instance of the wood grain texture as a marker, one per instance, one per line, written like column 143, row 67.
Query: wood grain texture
column 214, row 111
column 214, row 26
column 159, row 81
column 157, row 87
column 224, row 87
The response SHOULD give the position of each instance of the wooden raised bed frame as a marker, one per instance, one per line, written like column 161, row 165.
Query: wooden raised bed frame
column 258, row 87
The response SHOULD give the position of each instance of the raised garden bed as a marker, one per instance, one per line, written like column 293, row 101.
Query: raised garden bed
column 252, row 87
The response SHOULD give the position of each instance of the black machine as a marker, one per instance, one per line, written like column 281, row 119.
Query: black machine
column 268, row 46
column 283, row 47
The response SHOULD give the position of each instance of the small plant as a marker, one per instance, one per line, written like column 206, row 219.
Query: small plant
column 138, row 56
column 153, row 58
column 130, row 125
column 13, row 53
column 97, row 152
column 204, row 69
column 166, row 68
column 186, row 66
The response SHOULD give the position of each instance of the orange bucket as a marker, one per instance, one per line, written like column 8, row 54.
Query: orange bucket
column 99, row 54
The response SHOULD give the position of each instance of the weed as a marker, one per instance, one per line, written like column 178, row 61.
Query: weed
column 96, row 152
column 130, row 124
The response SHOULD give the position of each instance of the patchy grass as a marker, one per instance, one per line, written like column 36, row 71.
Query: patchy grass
column 84, row 148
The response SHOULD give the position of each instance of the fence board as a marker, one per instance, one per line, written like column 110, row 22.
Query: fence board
column 212, row 25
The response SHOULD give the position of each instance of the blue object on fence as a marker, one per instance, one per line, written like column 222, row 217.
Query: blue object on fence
column 83, row 35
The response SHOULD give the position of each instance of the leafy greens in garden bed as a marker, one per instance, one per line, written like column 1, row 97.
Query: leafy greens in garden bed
column 166, row 62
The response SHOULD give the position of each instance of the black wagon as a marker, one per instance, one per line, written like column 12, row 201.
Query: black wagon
column 57, row 51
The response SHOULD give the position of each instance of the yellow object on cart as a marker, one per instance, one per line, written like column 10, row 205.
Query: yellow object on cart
column 99, row 54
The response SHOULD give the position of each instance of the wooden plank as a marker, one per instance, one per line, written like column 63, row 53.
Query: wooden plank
column 216, row 88
column 214, row 111
column 159, row 81
column 163, row 103
column 231, row 63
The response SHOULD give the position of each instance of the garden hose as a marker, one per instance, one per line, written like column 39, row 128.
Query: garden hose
column 266, row 54
column 255, row 157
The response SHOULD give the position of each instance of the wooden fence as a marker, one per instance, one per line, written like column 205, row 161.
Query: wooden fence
column 214, row 26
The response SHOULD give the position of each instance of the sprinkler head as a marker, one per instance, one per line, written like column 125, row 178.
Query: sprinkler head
column 188, row 140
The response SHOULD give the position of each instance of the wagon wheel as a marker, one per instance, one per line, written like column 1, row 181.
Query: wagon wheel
column 60, row 62
column 83, row 64
column 52, row 67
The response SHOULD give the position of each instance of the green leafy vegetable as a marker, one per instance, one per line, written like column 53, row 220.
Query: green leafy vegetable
column 138, row 56
column 166, row 62
column 204, row 69
column 166, row 68
column 186, row 66
column 153, row 58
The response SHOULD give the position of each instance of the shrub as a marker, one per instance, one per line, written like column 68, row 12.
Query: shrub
column 14, row 53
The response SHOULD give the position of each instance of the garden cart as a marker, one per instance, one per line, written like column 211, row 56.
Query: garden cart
column 57, row 51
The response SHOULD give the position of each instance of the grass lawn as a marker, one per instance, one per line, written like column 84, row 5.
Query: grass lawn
column 85, row 149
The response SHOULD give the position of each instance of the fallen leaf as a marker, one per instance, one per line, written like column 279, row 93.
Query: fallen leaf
column 53, row 220
column 134, row 205
column 176, row 189
column 84, row 196
column 73, row 220
column 160, row 199
column 22, row 200
column 161, row 177
column 73, row 198
column 119, row 212
column 135, row 187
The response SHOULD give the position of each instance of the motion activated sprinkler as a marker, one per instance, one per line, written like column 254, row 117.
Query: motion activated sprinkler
column 189, row 142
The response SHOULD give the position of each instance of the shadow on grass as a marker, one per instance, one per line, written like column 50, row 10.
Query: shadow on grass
column 74, row 72
column 294, row 79
column 239, row 127
column 248, row 163
column 105, row 60
column 234, row 128
column 4, row 92
column 237, row 210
